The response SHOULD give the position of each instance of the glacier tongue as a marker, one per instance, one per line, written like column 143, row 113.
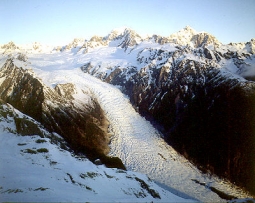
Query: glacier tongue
column 139, row 144
column 141, row 148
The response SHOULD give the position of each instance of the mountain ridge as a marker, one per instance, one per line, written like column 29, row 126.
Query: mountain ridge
column 185, row 36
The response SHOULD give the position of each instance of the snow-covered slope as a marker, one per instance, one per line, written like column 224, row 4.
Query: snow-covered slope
column 33, row 168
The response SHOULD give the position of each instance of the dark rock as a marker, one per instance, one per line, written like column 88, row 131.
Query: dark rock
column 207, row 53
column 83, row 127
column 98, row 162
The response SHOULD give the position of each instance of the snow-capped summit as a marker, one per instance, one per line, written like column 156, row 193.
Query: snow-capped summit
column 189, row 29
column 189, row 36
column 124, row 38
column 35, row 47
column 183, row 36
column 10, row 46
column 250, row 46
column 127, row 38
column 202, row 39
column 116, row 32
column 76, row 43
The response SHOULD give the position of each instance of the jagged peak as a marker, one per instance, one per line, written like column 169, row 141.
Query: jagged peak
column 252, row 40
column 120, row 32
column 204, row 38
column 123, row 37
column 95, row 38
column 74, row 44
column 10, row 45
column 186, row 32
column 77, row 41
column 126, row 37
column 115, row 33
column 36, row 45
column 187, row 28
column 158, row 39
column 190, row 36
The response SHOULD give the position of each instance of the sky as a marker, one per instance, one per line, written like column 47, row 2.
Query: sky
column 58, row 22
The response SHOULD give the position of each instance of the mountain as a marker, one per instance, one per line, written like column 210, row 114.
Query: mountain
column 66, row 109
column 169, row 85
column 197, row 93
column 123, row 38
column 188, row 36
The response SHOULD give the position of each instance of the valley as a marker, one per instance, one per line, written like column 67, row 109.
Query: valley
column 177, row 109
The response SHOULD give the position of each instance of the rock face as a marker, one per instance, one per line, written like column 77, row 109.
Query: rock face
column 82, row 125
column 206, row 114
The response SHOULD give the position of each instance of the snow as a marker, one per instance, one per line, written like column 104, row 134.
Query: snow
column 183, row 36
column 134, row 139
column 58, row 175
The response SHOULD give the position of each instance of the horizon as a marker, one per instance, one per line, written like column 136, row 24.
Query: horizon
column 59, row 22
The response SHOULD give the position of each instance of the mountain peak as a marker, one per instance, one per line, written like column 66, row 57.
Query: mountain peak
column 123, row 37
column 191, row 37
column 187, row 28
column 187, row 31
column 183, row 36
column 117, row 32
column 10, row 46
column 120, row 29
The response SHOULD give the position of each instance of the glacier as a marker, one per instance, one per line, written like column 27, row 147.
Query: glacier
column 133, row 139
